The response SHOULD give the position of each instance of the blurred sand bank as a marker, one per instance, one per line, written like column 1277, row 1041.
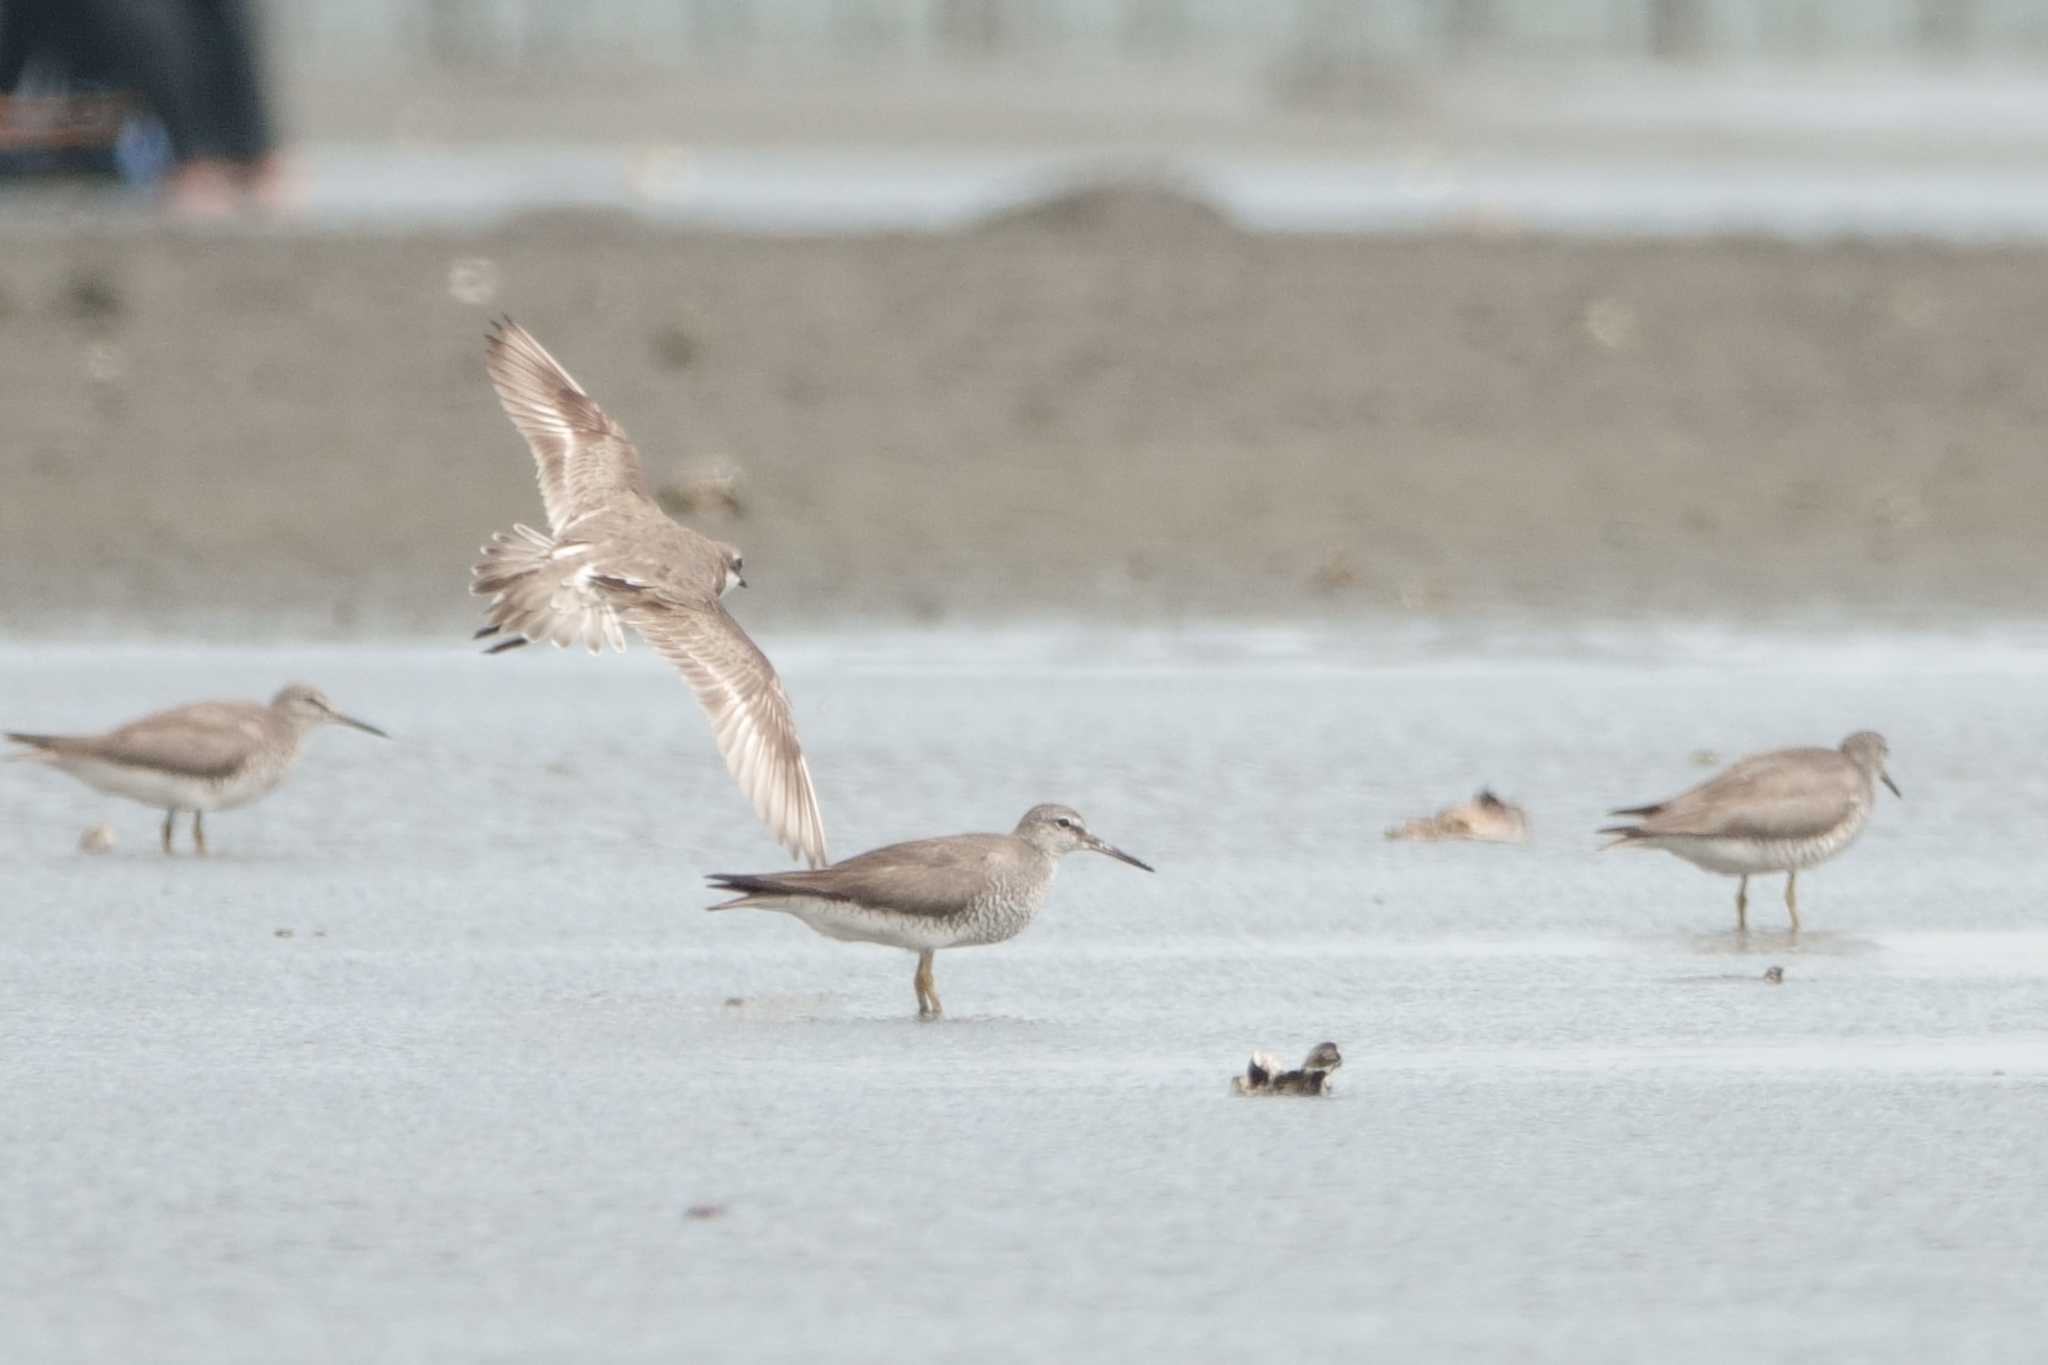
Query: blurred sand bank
column 1121, row 410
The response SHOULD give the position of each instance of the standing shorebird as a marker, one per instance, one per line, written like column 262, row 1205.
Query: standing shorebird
column 610, row 556
column 1774, row 812
column 929, row 894
column 211, row 755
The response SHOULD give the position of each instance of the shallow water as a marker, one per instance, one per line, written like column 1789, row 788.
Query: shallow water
column 1816, row 197
column 463, row 1109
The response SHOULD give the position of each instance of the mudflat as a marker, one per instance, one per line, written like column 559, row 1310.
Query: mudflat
column 1108, row 409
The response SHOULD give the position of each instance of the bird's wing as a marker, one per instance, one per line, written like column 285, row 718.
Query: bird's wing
column 207, row 739
column 932, row 877
column 1789, row 794
column 749, row 713
column 585, row 459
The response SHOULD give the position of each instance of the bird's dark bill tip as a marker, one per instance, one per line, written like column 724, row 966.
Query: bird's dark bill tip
column 1124, row 857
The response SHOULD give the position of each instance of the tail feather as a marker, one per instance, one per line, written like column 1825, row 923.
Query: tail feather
column 542, row 589
column 753, row 888
column 35, row 746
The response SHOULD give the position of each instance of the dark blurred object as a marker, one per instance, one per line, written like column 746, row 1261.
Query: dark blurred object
column 60, row 114
column 77, row 69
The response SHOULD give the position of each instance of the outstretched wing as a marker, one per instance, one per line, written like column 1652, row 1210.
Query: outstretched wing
column 585, row 459
column 750, row 716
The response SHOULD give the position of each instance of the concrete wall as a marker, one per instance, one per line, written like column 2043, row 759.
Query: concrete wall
column 513, row 34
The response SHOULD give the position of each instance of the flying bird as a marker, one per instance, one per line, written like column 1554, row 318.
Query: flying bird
column 612, row 558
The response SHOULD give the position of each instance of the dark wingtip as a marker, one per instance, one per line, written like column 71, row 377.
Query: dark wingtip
column 1625, row 831
column 514, row 643
column 484, row 632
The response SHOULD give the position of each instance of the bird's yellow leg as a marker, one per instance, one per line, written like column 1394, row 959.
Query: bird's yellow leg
column 169, row 816
column 927, row 992
column 1742, row 906
column 1792, row 898
column 199, row 832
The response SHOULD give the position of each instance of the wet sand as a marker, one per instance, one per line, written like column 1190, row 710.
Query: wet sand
column 435, row 1052
column 1131, row 415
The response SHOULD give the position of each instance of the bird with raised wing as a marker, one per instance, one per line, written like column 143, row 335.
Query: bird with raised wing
column 611, row 558
column 1775, row 812
column 952, row 892
column 211, row 755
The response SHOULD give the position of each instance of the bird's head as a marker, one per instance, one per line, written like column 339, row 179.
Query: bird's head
column 306, row 706
column 1057, row 829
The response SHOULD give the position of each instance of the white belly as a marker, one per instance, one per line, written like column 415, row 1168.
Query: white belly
column 172, row 791
column 1752, row 857
column 917, row 933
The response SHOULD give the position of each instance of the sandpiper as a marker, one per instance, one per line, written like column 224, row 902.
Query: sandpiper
column 1266, row 1077
column 211, row 755
column 952, row 892
column 611, row 555
column 1774, row 812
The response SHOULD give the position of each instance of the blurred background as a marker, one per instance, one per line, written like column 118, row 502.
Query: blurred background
column 1128, row 311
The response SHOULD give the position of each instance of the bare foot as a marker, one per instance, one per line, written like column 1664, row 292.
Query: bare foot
column 273, row 184
column 202, row 190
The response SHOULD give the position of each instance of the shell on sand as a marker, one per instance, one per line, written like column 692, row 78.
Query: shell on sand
column 96, row 839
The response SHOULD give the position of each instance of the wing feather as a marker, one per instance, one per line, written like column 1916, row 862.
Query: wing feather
column 933, row 877
column 584, row 459
column 750, row 716
column 208, row 740
column 1787, row 794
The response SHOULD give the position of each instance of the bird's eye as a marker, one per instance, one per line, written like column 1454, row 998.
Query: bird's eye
column 1064, row 823
column 738, row 563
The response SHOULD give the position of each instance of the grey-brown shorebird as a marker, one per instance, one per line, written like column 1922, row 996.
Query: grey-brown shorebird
column 953, row 892
column 611, row 556
column 1265, row 1075
column 211, row 755
column 1776, row 812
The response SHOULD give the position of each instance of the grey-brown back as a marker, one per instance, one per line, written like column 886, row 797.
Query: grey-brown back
column 1784, row 794
column 638, row 549
column 928, row 877
column 209, row 739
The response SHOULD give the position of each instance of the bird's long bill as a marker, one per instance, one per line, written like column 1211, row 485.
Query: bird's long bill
column 362, row 725
column 1887, row 778
column 1117, row 853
